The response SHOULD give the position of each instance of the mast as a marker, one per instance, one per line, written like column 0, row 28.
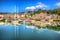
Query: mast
column 15, row 12
column 14, row 20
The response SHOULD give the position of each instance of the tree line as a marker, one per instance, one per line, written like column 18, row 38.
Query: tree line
column 51, row 11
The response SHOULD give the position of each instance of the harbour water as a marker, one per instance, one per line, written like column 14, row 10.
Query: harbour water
column 24, row 32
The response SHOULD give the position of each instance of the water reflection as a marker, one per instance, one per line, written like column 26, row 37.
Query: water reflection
column 22, row 32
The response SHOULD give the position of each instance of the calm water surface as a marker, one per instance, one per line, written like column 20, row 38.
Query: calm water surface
column 23, row 32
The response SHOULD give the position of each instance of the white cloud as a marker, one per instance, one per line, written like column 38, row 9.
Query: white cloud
column 30, row 8
column 58, row 4
column 27, row 8
column 39, row 5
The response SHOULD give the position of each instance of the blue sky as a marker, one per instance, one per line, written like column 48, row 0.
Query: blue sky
column 23, row 5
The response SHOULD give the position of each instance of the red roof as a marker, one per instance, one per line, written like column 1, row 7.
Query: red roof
column 29, row 21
